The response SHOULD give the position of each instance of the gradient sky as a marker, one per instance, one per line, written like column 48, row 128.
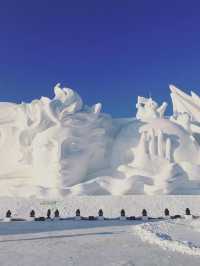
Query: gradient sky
column 109, row 51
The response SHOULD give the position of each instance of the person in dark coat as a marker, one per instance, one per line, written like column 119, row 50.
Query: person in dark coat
column 48, row 214
column 32, row 214
column 8, row 214
column 57, row 214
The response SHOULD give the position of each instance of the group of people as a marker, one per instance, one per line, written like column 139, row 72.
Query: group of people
column 56, row 214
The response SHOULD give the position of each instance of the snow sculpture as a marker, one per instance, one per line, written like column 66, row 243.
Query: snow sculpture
column 153, row 144
column 148, row 109
column 186, row 109
column 42, row 142
column 56, row 147
column 183, row 103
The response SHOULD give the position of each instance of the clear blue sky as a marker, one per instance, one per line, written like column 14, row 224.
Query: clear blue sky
column 109, row 51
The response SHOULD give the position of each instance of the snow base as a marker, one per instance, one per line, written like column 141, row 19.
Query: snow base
column 111, row 205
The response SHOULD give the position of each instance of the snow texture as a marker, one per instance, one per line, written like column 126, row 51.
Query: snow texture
column 52, row 148
column 88, row 243
column 170, row 235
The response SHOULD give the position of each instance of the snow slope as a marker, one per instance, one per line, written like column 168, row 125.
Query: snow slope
column 52, row 148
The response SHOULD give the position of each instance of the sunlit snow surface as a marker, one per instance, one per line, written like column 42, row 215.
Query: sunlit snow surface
column 56, row 147
column 111, row 243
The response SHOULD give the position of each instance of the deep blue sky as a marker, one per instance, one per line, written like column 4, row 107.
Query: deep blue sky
column 109, row 51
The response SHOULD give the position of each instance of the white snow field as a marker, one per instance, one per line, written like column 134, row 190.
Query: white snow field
column 108, row 242
column 99, row 243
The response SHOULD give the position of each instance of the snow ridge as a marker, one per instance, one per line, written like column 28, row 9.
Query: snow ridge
column 159, row 234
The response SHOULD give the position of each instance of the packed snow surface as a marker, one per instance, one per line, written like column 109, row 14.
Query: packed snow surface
column 170, row 235
column 52, row 148
column 111, row 243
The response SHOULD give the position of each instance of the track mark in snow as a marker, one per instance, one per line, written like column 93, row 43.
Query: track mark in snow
column 54, row 237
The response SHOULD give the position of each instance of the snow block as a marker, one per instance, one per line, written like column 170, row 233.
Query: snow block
column 7, row 219
column 188, row 217
column 100, row 218
column 56, row 219
column 145, row 218
column 30, row 219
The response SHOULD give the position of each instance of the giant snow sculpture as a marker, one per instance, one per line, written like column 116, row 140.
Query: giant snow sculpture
column 57, row 147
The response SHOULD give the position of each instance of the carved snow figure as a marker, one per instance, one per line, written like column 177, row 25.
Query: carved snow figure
column 57, row 149
column 51, row 148
column 13, row 168
column 158, row 160
column 148, row 109
column 183, row 103
column 186, row 111
column 47, row 139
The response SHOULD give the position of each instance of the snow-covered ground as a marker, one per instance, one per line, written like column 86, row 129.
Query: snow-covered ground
column 181, row 235
column 108, row 242
column 111, row 205
column 100, row 243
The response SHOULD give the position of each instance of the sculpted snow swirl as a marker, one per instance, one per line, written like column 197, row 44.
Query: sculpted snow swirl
column 53, row 148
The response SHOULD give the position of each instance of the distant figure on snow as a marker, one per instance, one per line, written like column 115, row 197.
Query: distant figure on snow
column 8, row 214
column 166, row 212
column 100, row 212
column 57, row 214
column 187, row 211
column 32, row 214
column 49, row 214
column 144, row 212
column 78, row 213
column 122, row 213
